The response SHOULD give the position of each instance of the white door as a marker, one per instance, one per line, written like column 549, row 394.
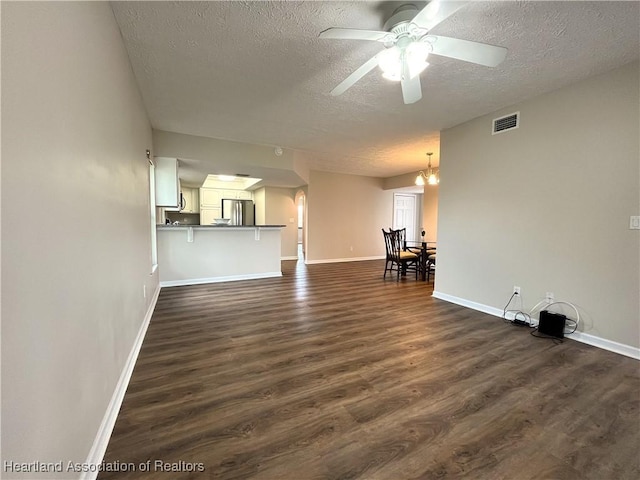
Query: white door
column 404, row 214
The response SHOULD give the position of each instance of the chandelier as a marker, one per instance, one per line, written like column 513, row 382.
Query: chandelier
column 430, row 176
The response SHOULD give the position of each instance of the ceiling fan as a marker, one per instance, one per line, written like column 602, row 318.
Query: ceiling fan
column 408, row 43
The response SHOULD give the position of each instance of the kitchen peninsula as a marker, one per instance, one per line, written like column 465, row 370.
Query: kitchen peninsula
column 189, row 255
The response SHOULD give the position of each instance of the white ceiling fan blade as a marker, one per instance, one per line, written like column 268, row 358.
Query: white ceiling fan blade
column 474, row 52
column 353, row 34
column 436, row 12
column 355, row 76
column 411, row 88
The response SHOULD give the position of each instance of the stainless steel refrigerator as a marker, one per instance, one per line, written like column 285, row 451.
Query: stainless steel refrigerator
column 240, row 212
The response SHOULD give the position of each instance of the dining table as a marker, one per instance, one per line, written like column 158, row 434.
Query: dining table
column 424, row 249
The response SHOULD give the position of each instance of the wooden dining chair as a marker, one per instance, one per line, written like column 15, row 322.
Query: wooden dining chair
column 398, row 258
column 431, row 263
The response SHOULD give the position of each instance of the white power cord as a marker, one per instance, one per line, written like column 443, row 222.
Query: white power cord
column 544, row 303
column 528, row 318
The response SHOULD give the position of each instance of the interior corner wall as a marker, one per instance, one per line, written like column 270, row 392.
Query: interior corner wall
column 281, row 209
column 346, row 214
column 546, row 206
column 76, row 248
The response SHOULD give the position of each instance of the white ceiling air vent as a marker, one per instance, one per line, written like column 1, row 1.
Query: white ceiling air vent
column 506, row 123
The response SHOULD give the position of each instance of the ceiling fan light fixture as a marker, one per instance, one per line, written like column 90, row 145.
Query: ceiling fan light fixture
column 408, row 43
column 415, row 54
column 390, row 62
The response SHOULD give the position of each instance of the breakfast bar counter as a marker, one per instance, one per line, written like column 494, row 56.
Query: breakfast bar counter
column 193, row 254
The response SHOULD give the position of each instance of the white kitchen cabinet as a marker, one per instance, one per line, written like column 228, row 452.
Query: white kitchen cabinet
column 229, row 194
column 211, row 202
column 237, row 194
column 210, row 197
column 208, row 214
column 167, row 184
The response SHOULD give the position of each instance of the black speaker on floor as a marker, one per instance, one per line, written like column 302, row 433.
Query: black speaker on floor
column 552, row 324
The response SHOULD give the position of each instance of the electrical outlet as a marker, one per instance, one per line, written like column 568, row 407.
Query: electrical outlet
column 634, row 222
column 516, row 290
column 550, row 297
column 351, row 248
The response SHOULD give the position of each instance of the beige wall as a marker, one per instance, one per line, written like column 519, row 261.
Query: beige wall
column 276, row 206
column 345, row 216
column 200, row 156
column 400, row 181
column 259, row 200
column 76, row 226
column 280, row 208
column 178, row 145
column 430, row 212
column 547, row 206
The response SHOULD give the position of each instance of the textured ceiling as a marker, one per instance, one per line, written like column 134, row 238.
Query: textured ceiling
column 256, row 72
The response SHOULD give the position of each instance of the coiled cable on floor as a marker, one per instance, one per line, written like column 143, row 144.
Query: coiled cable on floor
column 524, row 321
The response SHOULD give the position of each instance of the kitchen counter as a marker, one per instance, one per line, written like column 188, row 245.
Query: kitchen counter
column 230, row 227
column 194, row 254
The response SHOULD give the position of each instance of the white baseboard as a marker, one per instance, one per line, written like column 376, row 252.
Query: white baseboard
column 340, row 260
column 99, row 447
column 228, row 278
column 610, row 345
column 468, row 303
column 620, row 348
column 289, row 258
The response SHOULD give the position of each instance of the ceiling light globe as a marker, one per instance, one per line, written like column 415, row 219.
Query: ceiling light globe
column 419, row 50
column 390, row 62
column 420, row 180
column 416, row 57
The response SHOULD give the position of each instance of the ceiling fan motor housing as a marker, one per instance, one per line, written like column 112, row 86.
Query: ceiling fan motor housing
column 403, row 14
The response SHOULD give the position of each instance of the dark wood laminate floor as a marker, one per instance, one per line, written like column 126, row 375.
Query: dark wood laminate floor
column 332, row 373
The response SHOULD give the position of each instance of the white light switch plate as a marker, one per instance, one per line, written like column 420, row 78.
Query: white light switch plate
column 634, row 222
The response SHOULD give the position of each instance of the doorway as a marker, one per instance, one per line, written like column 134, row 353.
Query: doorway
column 404, row 214
column 301, row 207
